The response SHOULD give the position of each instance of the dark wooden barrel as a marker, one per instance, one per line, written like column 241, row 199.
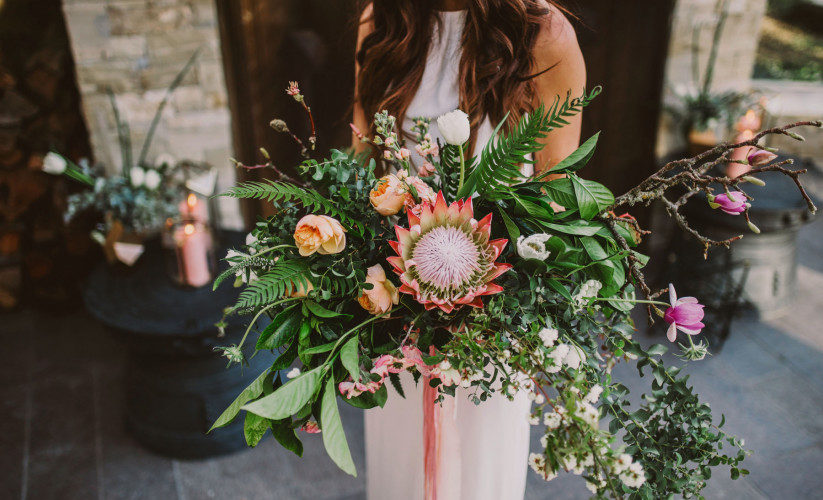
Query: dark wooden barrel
column 176, row 384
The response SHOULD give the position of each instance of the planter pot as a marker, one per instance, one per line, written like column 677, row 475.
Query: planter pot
column 766, row 263
column 701, row 141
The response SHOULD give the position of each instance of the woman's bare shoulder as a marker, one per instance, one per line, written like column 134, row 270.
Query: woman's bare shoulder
column 557, row 41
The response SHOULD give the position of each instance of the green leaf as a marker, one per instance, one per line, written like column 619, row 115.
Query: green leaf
column 254, row 390
column 657, row 350
column 577, row 160
column 321, row 311
column 287, row 400
column 395, row 382
column 319, row 348
column 592, row 197
column 281, row 330
column 334, row 437
column 350, row 358
column 561, row 191
column 285, row 360
column 254, row 428
column 557, row 287
column 511, row 227
column 576, row 227
column 285, row 435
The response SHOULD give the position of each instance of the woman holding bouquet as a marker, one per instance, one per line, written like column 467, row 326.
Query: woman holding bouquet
column 424, row 58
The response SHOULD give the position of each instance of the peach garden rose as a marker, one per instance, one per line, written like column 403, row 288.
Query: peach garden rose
column 383, row 294
column 319, row 233
column 388, row 195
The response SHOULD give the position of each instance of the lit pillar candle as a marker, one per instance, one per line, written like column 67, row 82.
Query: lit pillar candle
column 193, row 245
column 194, row 209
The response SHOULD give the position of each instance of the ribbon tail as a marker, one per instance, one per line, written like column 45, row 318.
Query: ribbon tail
column 432, row 426
column 441, row 446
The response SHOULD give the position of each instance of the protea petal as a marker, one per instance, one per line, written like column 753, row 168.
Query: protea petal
column 446, row 260
column 498, row 246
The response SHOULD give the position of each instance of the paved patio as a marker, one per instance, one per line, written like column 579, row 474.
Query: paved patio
column 62, row 432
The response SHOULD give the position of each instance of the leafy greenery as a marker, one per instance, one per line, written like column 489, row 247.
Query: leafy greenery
column 499, row 164
column 576, row 297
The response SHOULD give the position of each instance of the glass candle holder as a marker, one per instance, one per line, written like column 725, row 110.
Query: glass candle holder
column 190, row 258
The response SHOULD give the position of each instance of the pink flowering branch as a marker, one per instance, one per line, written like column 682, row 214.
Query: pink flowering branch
column 694, row 175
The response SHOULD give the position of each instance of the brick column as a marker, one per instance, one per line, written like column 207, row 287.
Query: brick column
column 136, row 47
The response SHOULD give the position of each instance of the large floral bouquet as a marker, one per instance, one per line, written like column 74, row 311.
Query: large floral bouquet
column 470, row 276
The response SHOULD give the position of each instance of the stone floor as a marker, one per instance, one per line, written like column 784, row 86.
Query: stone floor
column 62, row 435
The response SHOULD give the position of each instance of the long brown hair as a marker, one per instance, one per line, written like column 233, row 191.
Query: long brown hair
column 496, row 67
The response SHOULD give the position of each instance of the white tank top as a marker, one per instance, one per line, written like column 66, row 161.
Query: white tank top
column 438, row 92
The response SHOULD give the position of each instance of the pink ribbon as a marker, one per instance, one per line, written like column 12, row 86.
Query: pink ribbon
column 441, row 446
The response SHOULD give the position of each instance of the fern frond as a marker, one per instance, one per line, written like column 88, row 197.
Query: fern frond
column 276, row 191
column 284, row 277
column 449, row 171
column 499, row 163
column 234, row 268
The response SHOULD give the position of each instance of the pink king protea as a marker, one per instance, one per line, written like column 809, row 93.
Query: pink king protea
column 445, row 259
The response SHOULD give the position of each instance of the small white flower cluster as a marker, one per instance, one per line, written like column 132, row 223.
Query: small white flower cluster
column 534, row 246
column 630, row 472
column 588, row 290
column 549, row 336
column 565, row 355
column 537, row 461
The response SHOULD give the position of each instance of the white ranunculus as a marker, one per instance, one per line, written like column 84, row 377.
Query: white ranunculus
column 137, row 176
column 54, row 164
column 534, row 246
column 454, row 127
column 152, row 179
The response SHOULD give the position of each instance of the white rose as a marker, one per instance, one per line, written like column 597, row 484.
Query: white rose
column 137, row 176
column 54, row 164
column 454, row 127
column 152, row 179
column 534, row 246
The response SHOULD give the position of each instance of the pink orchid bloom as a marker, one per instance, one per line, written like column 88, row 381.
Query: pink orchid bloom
column 733, row 203
column 759, row 157
column 685, row 314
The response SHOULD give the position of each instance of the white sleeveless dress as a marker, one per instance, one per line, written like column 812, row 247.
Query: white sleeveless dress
column 493, row 437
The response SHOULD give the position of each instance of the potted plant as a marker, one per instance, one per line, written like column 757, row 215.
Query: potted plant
column 136, row 204
column 705, row 116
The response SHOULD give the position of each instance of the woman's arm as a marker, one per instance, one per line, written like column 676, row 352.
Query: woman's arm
column 359, row 117
column 557, row 48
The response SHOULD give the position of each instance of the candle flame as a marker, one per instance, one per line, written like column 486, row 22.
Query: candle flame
column 188, row 229
column 191, row 201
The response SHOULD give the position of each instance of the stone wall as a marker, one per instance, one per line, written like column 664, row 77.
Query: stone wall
column 735, row 60
column 135, row 48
